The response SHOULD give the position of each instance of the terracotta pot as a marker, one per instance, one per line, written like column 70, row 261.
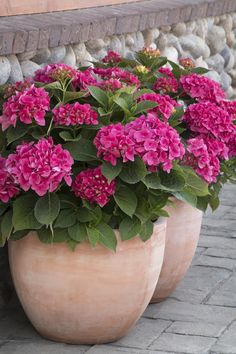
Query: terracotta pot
column 182, row 234
column 88, row 296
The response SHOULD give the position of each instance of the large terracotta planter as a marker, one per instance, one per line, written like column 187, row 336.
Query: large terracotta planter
column 182, row 234
column 88, row 296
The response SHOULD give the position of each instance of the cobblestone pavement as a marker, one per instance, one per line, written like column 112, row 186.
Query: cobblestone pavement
column 200, row 317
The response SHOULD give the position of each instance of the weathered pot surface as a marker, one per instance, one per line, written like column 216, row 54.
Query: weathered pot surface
column 182, row 235
column 88, row 296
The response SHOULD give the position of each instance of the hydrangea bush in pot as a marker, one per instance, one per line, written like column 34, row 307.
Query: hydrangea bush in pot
column 89, row 164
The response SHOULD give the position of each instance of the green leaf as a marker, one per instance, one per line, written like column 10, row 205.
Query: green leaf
column 111, row 172
column 202, row 203
column 83, row 150
column 99, row 95
column 78, row 232
column 143, row 211
column 200, row 70
column 47, row 208
column 187, row 196
column 73, row 95
column 14, row 133
column 152, row 181
column 18, row 235
column 126, row 200
column 146, row 230
column 6, row 227
column 60, row 235
column 129, row 228
column 23, row 213
column 45, row 235
column 107, row 236
column 144, row 106
column 93, row 235
column 66, row 136
column 3, row 208
column 72, row 244
column 133, row 172
column 173, row 181
column 66, row 218
column 197, row 185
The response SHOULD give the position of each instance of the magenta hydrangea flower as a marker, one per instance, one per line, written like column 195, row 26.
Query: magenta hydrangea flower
column 166, row 105
column 92, row 186
column 202, row 88
column 112, row 58
column 54, row 72
column 167, row 83
column 207, row 118
column 116, row 73
column 157, row 143
column 85, row 78
column 18, row 86
column 26, row 106
column 8, row 188
column 203, row 154
column 40, row 166
column 111, row 84
column 231, row 144
column 230, row 107
column 113, row 143
column 75, row 114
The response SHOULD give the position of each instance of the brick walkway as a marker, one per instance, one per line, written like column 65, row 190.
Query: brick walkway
column 199, row 318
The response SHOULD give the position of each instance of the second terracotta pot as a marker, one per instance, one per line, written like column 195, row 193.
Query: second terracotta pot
column 183, row 230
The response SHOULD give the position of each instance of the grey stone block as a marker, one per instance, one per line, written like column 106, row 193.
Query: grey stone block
column 183, row 343
column 227, row 343
column 197, row 328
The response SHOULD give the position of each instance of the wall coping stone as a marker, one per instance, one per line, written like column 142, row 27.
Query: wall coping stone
column 26, row 33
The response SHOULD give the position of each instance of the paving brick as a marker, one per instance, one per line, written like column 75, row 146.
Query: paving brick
column 197, row 328
column 109, row 349
column 215, row 262
column 144, row 333
column 183, row 343
column 227, row 343
column 41, row 348
column 225, row 295
column 199, row 282
column 217, row 242
column 184, row 311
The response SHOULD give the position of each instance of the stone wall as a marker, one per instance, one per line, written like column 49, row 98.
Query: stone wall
column 210, row 41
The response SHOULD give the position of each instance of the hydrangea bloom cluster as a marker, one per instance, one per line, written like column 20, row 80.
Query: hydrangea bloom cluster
column 18, row 86
column 116, row 73
column 166, row 83
column 112, row 58
column 187, row 63
column 203, row 155
column 85, row 78
column 8, row 188
column 26, row 106
column 92, row 186
column 113, row 143
column 150, row 52
column 55, row 72
column 75, row 114
column 40, row 166
column 166, row 105
column 111, row 84
column 202, row 88
column 155, row 141
column 209, row 119
column 229, row 106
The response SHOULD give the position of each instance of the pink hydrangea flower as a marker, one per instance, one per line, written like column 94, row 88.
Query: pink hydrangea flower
column 203, row 154
column 75, row 114
column 113, row 143
column 26, row 106
column 231, row 144
column 111, row 84
column 230, row 107
column 157, row 143
column 202, row 88
column 55, row 72
column 209, row 119
column 187, row 63
column 112, row 58
column 116, row 73
column 40, row 166
column 167, row 83
column 18, row 86
column 92, row 186
column 8, row 188
column 85, row 78
column 166, row 105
